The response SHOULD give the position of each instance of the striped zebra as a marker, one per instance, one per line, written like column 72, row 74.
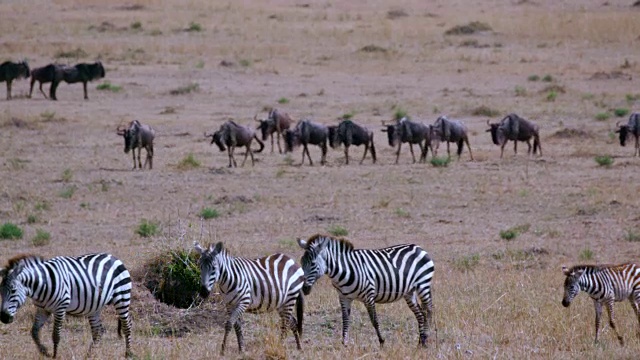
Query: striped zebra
column 261, row 285
column 371, row 276
column 605, row 284
column 63, row 285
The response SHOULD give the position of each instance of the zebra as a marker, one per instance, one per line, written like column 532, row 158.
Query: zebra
column 371, row 276
column 605, row 284
column 80, row 286
column 261, row 285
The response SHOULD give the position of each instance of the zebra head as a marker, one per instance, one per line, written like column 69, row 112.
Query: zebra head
column 13, row 292
column 571, row 284
column 314, row 262
column 209, row 267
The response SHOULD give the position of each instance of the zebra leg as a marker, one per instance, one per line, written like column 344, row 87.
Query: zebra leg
column 58, row 318
column 237, row 327
column 124, row 325
column 635, row 303
column 412, row 301
column 289, row 323
column 96, row 329
column 609, row 305
column 234, row 316
column 371, row 309
column 598, row 307
column 40, row 319
column 345, row 305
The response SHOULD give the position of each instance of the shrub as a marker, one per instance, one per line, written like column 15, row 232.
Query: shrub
column 621, row 112
column 189, row 162
column 67, row 192
column 512, row 233
column 41, row 238
column 603, row 116
column 244, row 62
column 604, row 160
column 520, row 91
column 194, row 27
column 10, row 231
column 187, row 89
column 209, row 213
column 468, row 29
column 533, row 78
column 400, row 212
column 74, row 54
column 632, row 236
column 586, row 254
column 337, row 230
column 107, row 86
column 174, row 278
column 147, row 228
column 42, row 206
column 67, row 174
column 440, row 161
column 283, row 100
column 547, row 78
column 137, row 25
column 552, row 95
column 467, row 263
column 32, row 219
column 399, row 113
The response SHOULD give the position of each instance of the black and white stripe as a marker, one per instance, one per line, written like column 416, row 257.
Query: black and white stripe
column 371, row 276
column 271, row 283
column 605, row 284
column 80, row 286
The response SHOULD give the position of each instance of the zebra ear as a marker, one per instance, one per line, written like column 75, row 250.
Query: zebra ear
column 565, row 270
column 303, row 243
column 218, row 248
column 199, row 249
column 3, row 272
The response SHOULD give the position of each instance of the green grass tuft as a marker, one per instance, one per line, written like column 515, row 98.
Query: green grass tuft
column 440, row 161
column 209, row 213
column 108, row 86
column 67, row 175
column 41, row 238
column 533, row 77
column 603, row 116
column 189, row 162
column 547, row 78
column 194, row 27
column 283, row 100
column 621, row 112
column 337, row 230
column 512, row 233
column 67, row 192
column 10, row 231
column 187, row 89
column 586, row 254
column 147, row 228
column 604, row 160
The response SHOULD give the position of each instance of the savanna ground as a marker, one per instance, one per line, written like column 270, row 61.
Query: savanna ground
column 63, row 171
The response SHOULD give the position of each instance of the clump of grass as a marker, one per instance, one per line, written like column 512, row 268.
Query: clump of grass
column 41, row 238
column 174, row 278
column 244, row 62
column 67, row 192
column 547, row 78
column 193, row 27
column 552, row 95
column 67, row 175
column 512, row 233
column 71, row 54
column 603, row 116
column 371, row 48
column 348, row 116
column 467, row 263
column 136, row 25
column 108, row 86
column 209, row 213
column 468, row 29
column 399, row 113
column 283, row 100
column 147, row 228
column 632, row 236
column 189, row 162
column 42, row 206
column 533, row 77
column 187, row 89
column 47, row 116
column 440, row 161
column 400, row 212
column 337, row 230
column 621, row 112
column 10, row 231
column 484, row 110
column 520, row 91
column 631, row 98
column 32, row 219
column 586, row 254
column 604, row 160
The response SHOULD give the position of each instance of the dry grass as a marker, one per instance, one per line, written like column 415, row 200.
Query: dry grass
column 493, row 298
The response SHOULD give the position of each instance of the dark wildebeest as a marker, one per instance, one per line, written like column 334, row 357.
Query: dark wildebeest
column 82, row 72
column 10, row 71
column 307, row 132
column 277, row 122
column 407, row 131
column 350, row 133
column 138, row 136
column 43, row 75
column 452, row 131
column 231, row 135
column 632, row 128
column 515, row 128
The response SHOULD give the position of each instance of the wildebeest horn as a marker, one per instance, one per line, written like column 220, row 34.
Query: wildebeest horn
column 618, row 124
column 120, row 130
column 488, row 122
column 255, row 117
column 207, row 135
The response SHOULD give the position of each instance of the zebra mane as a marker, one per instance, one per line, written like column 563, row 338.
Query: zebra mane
column 598, row 267
column 346, row 244
column 23, row 258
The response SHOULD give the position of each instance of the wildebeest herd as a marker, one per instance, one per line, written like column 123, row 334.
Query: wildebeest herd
column 84, row 285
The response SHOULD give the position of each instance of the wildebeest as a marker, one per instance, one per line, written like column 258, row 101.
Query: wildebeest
column 452, row 131
column 307, row 132
column 231, row 135
column 277, row 122
column 82, row 72
column 515, row 128
column 10, row 71
column 407, row 131
column 43, row 75
column 350, row 133
column 632, row 127
column 139, row 136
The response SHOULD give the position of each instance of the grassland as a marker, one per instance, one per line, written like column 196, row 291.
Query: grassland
column 494, row 298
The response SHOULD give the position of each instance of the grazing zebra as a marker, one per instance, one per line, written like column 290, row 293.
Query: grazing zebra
column 261, row 285
column 605, row 284
column 81, row 285
column 371, row 276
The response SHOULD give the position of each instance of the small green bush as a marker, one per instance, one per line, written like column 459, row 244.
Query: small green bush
column 512, row 233
column 621, row 112
column 440, row 161
column 604, row 160
column 42, row 206
column 41, row 238
column 67, row 175
column 187, row 89
column 10, row 231
column 632, row 236
column 533, row 77
column 547, row 78
column 147, row 228
column 337, row 230
column 400, row 212
column 399, row 113
column 467, row 263
column 32, row 219
column 586, row 254
column 283, row 100
column 244, row 62
column 520, row 91
column 603, row 116
column 189, row 162
column 194, row 27
column 209, row 213
column 137, row 25
column 552, row 95
column 174, row 278
column 108, row 86
column 67, row 192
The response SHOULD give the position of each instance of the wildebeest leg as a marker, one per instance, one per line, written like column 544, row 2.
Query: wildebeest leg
column 412, row 154
column 52, row 89
column 279, row 148
column 232, row 161
column 398, row 152
column 271, row 136
column 515, row 147
column 448, row 149
column 139, row 154
column 133, row 154
column 42, row 91
column 323, row 159
column 8, row 89
column 246, row 154
column 468, row 147
column 366, row 149
column 529, row 145
column 502, row 149
column 637, row 151
column 33, row 81
column 306, row 149
column 346, row 155
column 149, row 158
column 84, row 86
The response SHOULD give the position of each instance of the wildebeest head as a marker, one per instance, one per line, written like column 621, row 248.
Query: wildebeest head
column 392, row 133
column 291, row 140
column 23, row 69
column 97, row 70
column 266, row 127
column 130, row 135
column 493, row 128
column 623, row 130
column 217, row 138
column 334, row 141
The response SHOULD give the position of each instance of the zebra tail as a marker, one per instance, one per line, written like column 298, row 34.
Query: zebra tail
column 300, row 311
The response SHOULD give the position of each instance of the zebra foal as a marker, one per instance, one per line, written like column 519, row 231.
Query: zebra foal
column 80, row 286
column 371, row 276
column 271, row 283
column 605, row 284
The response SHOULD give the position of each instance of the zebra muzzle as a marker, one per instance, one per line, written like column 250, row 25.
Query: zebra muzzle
column 306, row 289
column 6, row 318
column 204, row 292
